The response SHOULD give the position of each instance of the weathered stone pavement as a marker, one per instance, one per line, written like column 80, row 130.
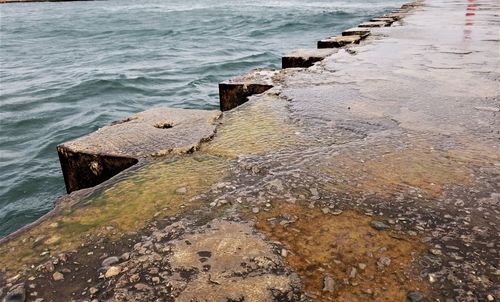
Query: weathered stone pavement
column 371, row 176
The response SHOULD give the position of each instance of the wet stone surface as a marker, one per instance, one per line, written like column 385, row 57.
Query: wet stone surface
column 366, row 177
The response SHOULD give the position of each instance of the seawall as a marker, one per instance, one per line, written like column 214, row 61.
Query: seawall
column 365, row 170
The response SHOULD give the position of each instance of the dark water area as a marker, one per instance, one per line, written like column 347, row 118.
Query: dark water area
column 68, row 68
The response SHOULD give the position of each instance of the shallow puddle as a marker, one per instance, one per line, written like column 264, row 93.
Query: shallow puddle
column 341, row 257
column 256, row 128
column 385, row 170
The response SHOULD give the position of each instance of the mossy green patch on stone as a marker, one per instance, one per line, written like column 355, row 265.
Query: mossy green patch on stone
column 123, row 207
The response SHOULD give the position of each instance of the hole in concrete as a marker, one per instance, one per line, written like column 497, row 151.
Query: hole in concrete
column 164, row 125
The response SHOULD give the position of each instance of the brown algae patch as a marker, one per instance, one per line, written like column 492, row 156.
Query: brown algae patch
column 158, row 189
column 391, row 171
column 341, row 257
column 256, row 128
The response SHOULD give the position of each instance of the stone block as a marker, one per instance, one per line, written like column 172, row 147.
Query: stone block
column 389, row 21
column 374, row 24
column 94, row 158
column 235, row 91
column 339, row 41
column 303, row 58
column 356, row 31
column 394, row 16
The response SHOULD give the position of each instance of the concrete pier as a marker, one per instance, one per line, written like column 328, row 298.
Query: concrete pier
column 236, row 91
column 303, row 58
column 339, row 41
column 373, row 176
column 94, row 158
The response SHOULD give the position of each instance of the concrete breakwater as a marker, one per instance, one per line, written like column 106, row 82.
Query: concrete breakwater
column 371, row 175
column 91, row 160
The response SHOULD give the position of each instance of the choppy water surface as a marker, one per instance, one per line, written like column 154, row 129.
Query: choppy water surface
column 69, row 68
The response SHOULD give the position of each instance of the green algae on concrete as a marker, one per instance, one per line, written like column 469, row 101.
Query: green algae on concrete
column 257, row 128
column 159, row 189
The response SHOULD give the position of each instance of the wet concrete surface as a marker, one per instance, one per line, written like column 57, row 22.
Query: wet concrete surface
column 371, row 176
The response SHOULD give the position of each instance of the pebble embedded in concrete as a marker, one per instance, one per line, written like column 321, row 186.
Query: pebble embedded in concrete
column 57, row 276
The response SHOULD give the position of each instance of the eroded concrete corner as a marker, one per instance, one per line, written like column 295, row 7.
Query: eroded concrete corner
column 94, row 158
column 235, row 91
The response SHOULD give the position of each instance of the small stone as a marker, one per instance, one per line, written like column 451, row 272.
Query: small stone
column 112, row 271
column 415, row 296
column 325, row 210
column 368, row 291
column 17, row 293
column 155, row 280
column 379, row 225
column 110, row 261
column 134, row 278
column 436, row 252
column 432, row 278
column 353, row 273
column 362, row 266
column 57, row 276
column 93, row 290
column 255, row 210
column 141, row 286
column 490, row 298
column 284, row 253
column 328, row 284
column 384, row 261
column 48, row 266
column 125, row 256
column 181, row 191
